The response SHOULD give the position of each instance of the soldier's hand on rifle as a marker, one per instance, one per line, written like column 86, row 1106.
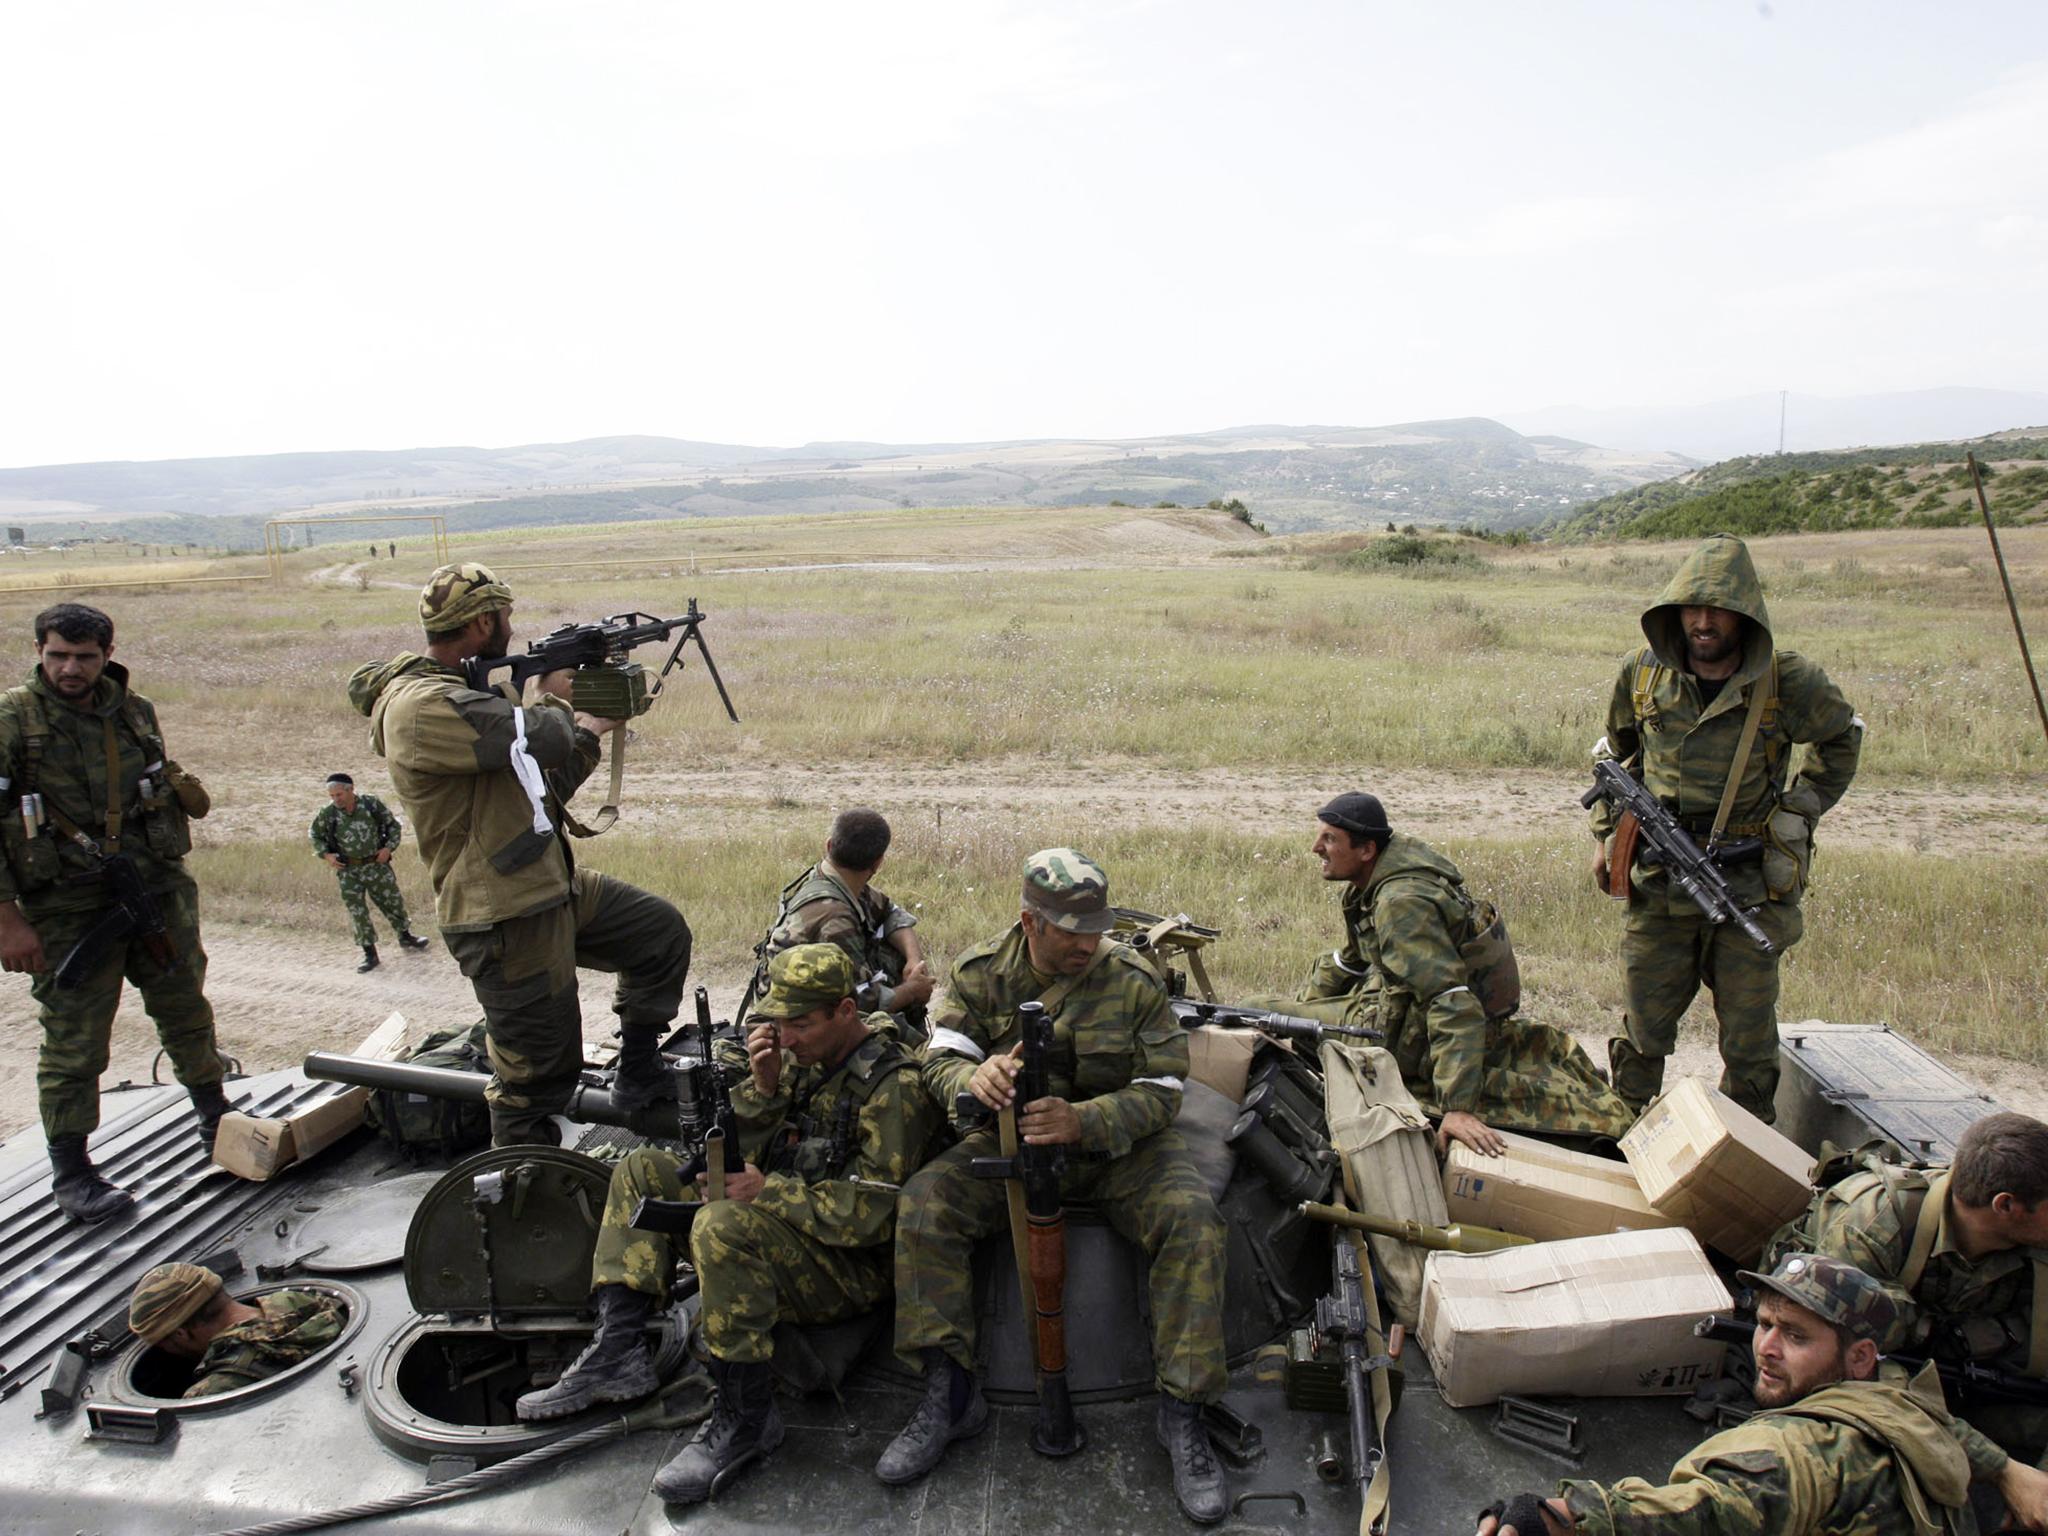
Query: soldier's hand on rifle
column 994, row 1081
column 764, row 1057
column 742, row 1186
column 916, row 986
column 1049, row 1123
column 1601, row 874
column 333, row 858
column 21, row 947
column 2025, row 1491
column 1472, row 1131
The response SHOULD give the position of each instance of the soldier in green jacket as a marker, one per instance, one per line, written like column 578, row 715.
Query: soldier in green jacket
column 1962, row 1252
column 1710, row 679
column 61, row 810
column 1119, row 1069
column 184, row 1311
column 357, row 834
column 835, row 902
column 1838, row 1450
column 834, row 1117
column 484, row 780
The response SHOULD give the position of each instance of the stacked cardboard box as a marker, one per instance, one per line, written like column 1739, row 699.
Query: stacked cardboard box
column 258, row 1147
column 1546, row 1192
column 1708, row 1163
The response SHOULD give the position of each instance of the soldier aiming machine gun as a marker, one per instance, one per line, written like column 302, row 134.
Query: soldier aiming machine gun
column 1695, row 870
column 606, row 683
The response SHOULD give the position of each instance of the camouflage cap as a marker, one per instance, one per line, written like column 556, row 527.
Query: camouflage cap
column 455, row 594
column 1069, row 890
column 806, row 976
column 1837, row 1293
column 167, row 1297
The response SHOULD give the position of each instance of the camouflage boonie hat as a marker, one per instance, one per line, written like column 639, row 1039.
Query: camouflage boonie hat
column 167, row 1297
column 806, row 976
column 1069, row 890
column 1836, row 1292
column 455, row 594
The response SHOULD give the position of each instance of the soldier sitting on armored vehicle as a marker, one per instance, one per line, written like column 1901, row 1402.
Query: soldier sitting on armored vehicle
column 833, row 902
column 1837, row 1448
column 185, row 1311
column 833, row 1118
column 1121, row 1060
column 1963, row 1253
column 1431, row 967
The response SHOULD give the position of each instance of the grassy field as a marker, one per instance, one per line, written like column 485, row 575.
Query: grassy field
column 1059, row 639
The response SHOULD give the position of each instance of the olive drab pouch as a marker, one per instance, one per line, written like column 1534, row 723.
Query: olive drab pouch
column 192, row 795
column 28, row 841
column 1496, row 979
column 1788, row 854
column 165, row 827
column 429, row 1127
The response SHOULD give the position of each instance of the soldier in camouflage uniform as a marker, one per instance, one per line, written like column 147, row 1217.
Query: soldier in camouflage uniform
column 1962, row 1252
column 357, row 834
column 59, row 733
column 834, row 1117
column 1120, row 1063
column 183, row 1310
column 484, row 781
column 1680, row 713
column 1837, row 1450
column 1430, row 966
column 834, row 902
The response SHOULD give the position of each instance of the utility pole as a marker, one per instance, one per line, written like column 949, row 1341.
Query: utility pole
column 1781, row 422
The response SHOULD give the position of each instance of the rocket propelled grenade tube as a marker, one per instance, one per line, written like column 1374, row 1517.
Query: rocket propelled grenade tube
column 1454, row 1239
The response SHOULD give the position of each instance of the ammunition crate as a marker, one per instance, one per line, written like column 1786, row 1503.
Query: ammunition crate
column 1314, row 1382
column 611, row 692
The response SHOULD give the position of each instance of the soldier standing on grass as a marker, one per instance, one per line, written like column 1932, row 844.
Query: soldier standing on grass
column 1706, row 716
column 357, row 834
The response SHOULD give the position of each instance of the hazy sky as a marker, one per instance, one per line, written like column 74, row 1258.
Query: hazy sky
column 256, row 227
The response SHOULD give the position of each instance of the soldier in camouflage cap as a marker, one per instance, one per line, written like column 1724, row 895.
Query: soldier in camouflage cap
column 166, row 1298
column 1836, row 1449
column 833, row 1119
column 1120, row 1062
column 185, row 1311
column 485, row 781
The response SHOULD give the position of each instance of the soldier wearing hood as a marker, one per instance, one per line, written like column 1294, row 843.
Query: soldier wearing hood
column 1710, row 681
column 484, row 779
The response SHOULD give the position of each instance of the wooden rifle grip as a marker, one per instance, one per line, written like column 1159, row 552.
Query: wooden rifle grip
column 1627, row 832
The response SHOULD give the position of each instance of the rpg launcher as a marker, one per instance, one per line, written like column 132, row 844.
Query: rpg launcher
column 1038, row 1230
column 1694, row 870
column 1457, row 1239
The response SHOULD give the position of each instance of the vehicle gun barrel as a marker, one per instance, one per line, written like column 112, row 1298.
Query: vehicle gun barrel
column 588, row 1104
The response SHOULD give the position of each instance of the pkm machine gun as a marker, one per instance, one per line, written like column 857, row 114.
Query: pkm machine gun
column 1694, row 870
column 1287, row 1026
column 1341, row 1318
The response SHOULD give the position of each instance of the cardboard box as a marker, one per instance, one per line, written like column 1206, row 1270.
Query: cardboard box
column 257, row 1148
column 1707, row 1162
column 1546, row 1192
column 1590, row 1317
column 1222, row 1058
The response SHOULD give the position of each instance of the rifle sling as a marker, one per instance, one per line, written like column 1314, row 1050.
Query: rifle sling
column 1927, row 1223
column 1761, row 693
column 1375, row 1512
column 608, row 813
column 1020, row 1231
column 1056, row 994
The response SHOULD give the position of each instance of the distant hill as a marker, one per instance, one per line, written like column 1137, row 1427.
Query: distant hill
column 1468, row 470
column 1919, row 485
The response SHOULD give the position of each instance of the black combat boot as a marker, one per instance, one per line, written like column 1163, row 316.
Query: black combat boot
column 1197, row 1478
column 370, row 960
column 211, row 1101
column 617, row 1367
column 742, row 1426
column 411, row 940
column 953, row 1409
column 80, row 1192
column 642, row 1077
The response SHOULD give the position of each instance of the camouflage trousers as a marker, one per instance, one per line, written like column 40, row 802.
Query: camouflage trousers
column 362, row 884
column 78, row 1022
column 1152, row 1195
column 754, row 1270
column 524, row 973
column 1665, row 958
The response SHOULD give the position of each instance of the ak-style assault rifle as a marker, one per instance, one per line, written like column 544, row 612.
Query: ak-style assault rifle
column 1695, row 870
column 1288, row 1026
column 135, row 911
column 606, row 684
column 1965, row 1381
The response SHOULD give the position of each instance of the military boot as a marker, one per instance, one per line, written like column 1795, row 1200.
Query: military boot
column 953, row 1409
column 410, row 940
column 643, row 1077
column 1197, row 1478
column 617, row 1367
column 211, row 1101
column 742, row 1426
column 370, row 960
column 80, row 1192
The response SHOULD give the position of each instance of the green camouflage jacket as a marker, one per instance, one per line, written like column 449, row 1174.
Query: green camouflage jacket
column 1119, row 1055
column 48, row 873
column 356, row 834
column 1861, row 1458
column 1687, row 746
column 294, row 1325
column 818, row 907
column 452, row 752
column 836, row 1145
column 1404, row 926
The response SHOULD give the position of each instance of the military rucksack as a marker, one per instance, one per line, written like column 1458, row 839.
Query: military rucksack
column 430, row 1127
